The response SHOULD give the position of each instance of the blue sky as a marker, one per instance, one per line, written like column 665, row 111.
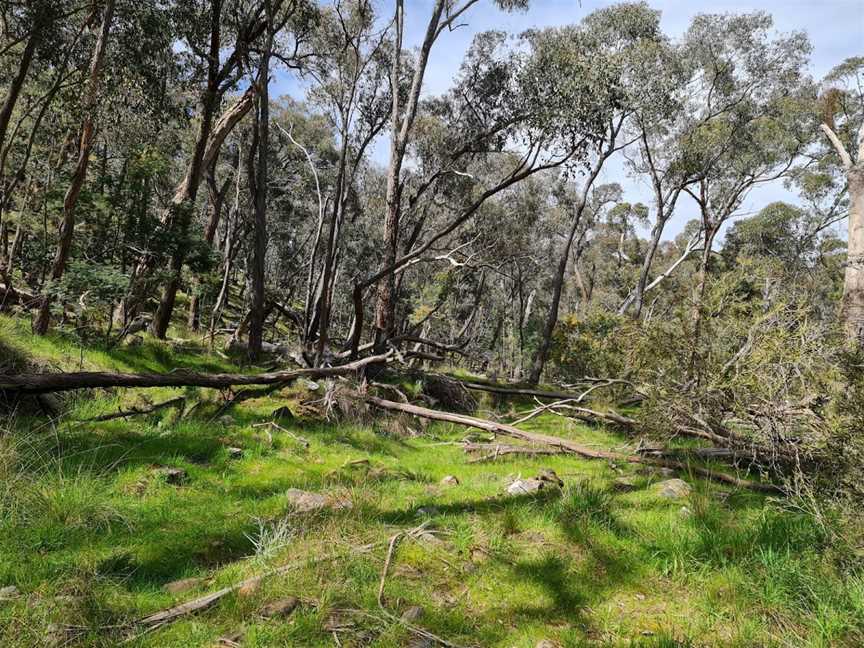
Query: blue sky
column 835, row 28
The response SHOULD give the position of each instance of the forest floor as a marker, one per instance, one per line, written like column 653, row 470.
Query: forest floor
column 93, row 528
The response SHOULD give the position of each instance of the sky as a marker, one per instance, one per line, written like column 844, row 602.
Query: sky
column 835, row 29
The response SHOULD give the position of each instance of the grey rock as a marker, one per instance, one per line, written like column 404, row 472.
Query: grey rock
column 306, row 501
column 450, row 480
column 9, row 592
column 227, row 420
column 525, row 487
column 673, row 489
column 235, row 453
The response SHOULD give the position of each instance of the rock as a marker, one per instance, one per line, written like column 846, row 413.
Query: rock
column 428, row 539
column 673, row 489
column 235, row 453
column 311, row 385
column 450, row 480
column 182, row 585
column 625, row 484
column 9, row 592
column 685, row 512
column 412, row 614
column 545, row 479
column 174, row 476
column 305, row 501
column 427, row 511
column 227, row 420
column 280, row 608
column 525, row 487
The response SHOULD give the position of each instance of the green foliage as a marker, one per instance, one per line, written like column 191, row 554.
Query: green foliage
column 590, row 346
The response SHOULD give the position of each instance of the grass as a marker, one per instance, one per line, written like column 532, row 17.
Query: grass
column 91, row 531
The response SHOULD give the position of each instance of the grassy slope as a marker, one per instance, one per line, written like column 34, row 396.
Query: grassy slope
column 89, row 533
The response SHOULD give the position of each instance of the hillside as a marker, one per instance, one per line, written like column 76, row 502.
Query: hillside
column 96, row 533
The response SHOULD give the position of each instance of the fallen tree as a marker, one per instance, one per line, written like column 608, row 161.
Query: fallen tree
column 567, row 445
column 57, row 382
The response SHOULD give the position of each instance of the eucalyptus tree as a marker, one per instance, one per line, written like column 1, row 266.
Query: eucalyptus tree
column 843, row 125
column 506, row 119
column 43, row 55
column 606, row 52
column 749, row 109
column 89, row 103
column 444, row 15
column 657, row 126
column 348, row 70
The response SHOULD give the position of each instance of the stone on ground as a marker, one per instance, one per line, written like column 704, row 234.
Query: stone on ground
column 450, row 480
column 281, row 608
column 306, row 501
column 9, row 592
column 673, row 489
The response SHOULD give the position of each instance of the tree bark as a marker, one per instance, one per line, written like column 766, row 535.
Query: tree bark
column 853, row 280
column 57, row 382
column 259, row 248
column 178, row 216
column 385, row 307
column 70, row 200
column 17, row 83
column 558, row 280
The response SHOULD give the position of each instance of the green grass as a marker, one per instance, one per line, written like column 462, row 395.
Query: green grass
column 90, row 532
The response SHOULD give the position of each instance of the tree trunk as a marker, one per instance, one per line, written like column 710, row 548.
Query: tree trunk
column 217, row 202
column 18, row 80
column 558, row 280
column 70, row 200
column 259, row 191
column 701, row 282
column 57, row 382
column 853, row 280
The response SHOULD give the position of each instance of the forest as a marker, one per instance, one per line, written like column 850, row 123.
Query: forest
column 299, row 349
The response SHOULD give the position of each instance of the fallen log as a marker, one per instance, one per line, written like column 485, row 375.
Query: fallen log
column 565, row 444
column 495, row 450
column 518, row 391
column 56, row 382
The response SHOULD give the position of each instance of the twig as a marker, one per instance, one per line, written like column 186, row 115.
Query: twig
column 135, row 411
